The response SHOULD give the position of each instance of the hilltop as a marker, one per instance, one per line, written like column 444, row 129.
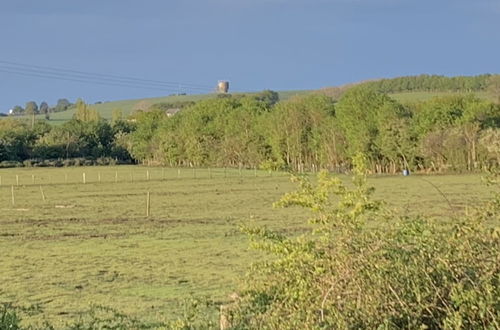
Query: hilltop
column 106, row 109
column 403, row 89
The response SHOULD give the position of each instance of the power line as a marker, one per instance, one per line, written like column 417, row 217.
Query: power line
column 79, row 80
column 95, row 78
column 93, row 74
column 101, row 81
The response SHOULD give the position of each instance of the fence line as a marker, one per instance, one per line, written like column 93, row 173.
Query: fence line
column 96, row 177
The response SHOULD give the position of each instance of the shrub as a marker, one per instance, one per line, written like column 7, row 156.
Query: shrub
column 346, row 273
column 10, row 163
column 9, row 318
column 29, row 163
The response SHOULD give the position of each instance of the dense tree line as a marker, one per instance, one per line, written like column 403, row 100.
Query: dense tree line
column 87, row 136
column 431, row 83
column 32, row 108
column 458, row 132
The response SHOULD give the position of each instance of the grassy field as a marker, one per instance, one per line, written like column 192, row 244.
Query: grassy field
column 66, row 245
column 127, row 106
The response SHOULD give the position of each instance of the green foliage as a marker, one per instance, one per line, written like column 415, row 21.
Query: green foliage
column 165, row 106
column 16, row 140
column 196, row 313
column 303, row 133
column 85, row 113
column 100, row 317
column 299, row 131
column 409, row 273
column 31, row 108
column 8, row 318
column 361, row 113
column 431, row 83
column 62, row 105
column 494, row 88
column 269, row 97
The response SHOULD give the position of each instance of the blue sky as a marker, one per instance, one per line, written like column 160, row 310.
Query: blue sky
column 255, row 44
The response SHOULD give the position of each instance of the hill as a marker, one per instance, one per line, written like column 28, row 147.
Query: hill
column 127, row 106
column 403, row 89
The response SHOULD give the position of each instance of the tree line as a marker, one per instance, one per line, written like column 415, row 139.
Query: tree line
column 86, row 137
column 32, row 108
column 457, row 132
column 428, row 83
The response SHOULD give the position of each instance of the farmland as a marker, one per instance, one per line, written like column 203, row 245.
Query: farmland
column 67, row 245
column 105, row 109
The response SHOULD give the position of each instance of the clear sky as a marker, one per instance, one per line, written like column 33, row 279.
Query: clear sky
column 255, row 44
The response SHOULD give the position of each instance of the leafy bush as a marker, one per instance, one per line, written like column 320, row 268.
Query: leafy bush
column 100, row 317
column 10, row 163
column 347, row 273
column 9, row 318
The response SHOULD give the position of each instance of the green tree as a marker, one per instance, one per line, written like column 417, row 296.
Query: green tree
column 362, row 113
column 44, row 109
column 85, row 113
column 31, row 108
column 494, row 87
column 294, row 130
column 269, row 97
column 143, row 144
column 62, row 105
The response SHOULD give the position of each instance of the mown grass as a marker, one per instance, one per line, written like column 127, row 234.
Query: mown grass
column 92, row 244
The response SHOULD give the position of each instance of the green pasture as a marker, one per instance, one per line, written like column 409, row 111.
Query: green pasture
column 66, row 245
column 127, row 106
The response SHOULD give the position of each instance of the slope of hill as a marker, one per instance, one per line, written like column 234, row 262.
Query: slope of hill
column 128, row 106
column 403, row 89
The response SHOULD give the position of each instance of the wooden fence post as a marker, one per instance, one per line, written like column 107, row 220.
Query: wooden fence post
column 43, row 195
column 12, row 194
column 148, row 204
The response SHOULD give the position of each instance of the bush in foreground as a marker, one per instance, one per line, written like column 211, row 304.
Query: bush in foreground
column 362, row 267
